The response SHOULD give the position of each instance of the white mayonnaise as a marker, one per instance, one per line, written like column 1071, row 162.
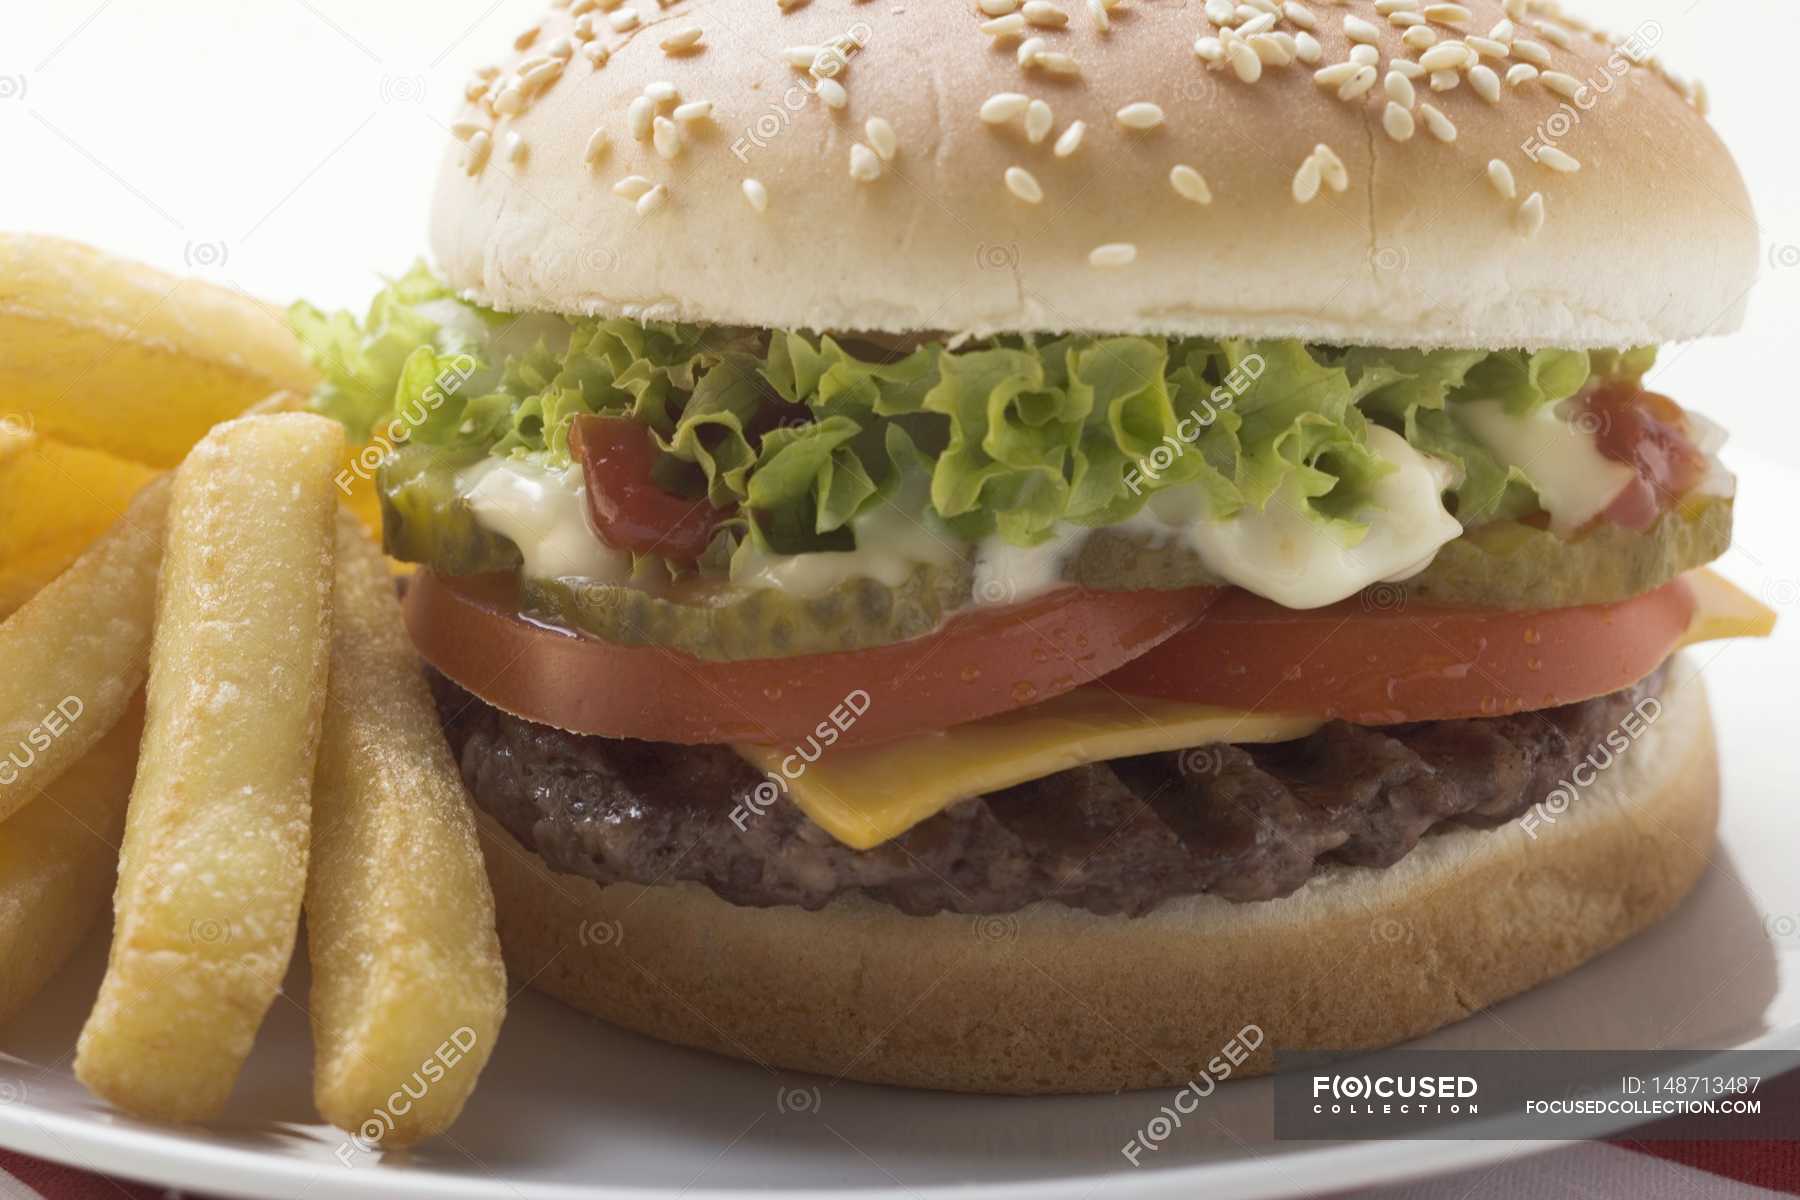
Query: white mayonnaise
column 1286, row 555
column 544, row 513
column 1009, row 574
column 1575, row 482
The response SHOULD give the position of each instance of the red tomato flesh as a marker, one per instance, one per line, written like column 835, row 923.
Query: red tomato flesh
column 1375, row 666
column 984, row 661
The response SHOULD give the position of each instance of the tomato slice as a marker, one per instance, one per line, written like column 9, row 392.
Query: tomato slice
column 629, row 511
column 1372, row 665
column 981, row 662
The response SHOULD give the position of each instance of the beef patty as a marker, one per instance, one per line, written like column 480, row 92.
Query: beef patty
column 1243, row 822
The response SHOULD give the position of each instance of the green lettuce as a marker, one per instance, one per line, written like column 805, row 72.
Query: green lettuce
column 798, row 433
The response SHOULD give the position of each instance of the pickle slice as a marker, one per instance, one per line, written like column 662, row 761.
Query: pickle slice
column 1499, row 565
column 424, row 521
column 726, row 623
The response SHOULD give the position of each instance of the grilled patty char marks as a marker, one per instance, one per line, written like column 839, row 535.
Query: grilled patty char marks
column 1242, row 822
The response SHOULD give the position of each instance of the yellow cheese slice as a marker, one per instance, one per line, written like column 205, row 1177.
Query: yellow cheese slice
column 864, row 796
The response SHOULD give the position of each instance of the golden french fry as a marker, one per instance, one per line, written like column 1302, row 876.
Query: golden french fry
column 102, row 352
column 75, row 654
column 408, row 988
column 214, row 861
column 57, row 860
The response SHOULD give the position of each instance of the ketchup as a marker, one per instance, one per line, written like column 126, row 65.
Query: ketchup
column 627, row 507
column 1647, row 432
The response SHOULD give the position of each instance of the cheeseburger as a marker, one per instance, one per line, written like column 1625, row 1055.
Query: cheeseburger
column 993, row 546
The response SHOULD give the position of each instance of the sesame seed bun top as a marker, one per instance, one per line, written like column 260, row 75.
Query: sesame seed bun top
column 1386, row 172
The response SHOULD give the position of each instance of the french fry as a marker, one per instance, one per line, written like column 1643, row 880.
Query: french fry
column 55, row 500
column 408, row 988
column 213, row 866
column 58, row 856
column 102, row 352
column 77, row 652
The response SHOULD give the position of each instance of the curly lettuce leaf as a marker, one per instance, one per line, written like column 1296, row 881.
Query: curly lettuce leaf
column 799, row 433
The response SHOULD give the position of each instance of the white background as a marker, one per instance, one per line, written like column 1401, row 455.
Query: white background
column 289, row 146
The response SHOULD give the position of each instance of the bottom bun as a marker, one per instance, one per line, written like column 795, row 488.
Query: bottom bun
column 1053, row 999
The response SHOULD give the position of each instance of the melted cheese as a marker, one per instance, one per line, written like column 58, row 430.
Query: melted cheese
column 866, row 796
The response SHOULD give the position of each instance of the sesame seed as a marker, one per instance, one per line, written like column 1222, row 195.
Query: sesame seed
column 1359, row 30
column 1044, row 14
column 682, row 40
column 1365, row 55
column 1032, row 49
column 1307, row 48
column 1535, row 53
column 652, row 200
column 832, row 93
column 1399, row 89
column 1038, row 120
column 1070, row 141
column 1357, row 84
column 1299, row 14
column 1004, row 27
column 623, row 21
column 1057, row 63
column 481, row 144
column 1221, row 12
column 562, row 48
column 1520, row 73
column 1385, row 7
column 882, row 138
column 1558, row 160
column 510, row 102
column 1405, row 20
column 1024, row 185
column 756, row 194
column 1209, row 50
column 1556, row 35
column 462, row 131
column 638, row 115
column 1397, row 121
column 1269, row 48
column 1439, row 126
column 801, row 58
column 1140, row 115
column 597, row 146
column 1446, row 80
column 1485, row 82
column 1002, row 107
column 1307, row 180
column 1562, row 83
column 997, row 8
column 1420, row 37
column 631, row 187
column 1503, row 32
column 1447, row 14
column 1113, row 254
column 662, row 92
column 1531, row 214
column 1501, row 176
column 865, row 164
column 693, row 110
column 789, row 5
column 1336, row 74
column 596, row 53
column 1406, row 67
column 666, row 136
column 524, row 40
column 1488, row 47
column 514, row 146
column 1260, row 23
column 1331, row 168
column 1189, row 184
column 585, row 30
column 1446, row 56
column 1102, row 18
column 1245, row 62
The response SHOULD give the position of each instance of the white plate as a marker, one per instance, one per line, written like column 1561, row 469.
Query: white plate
column 570, row 1107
